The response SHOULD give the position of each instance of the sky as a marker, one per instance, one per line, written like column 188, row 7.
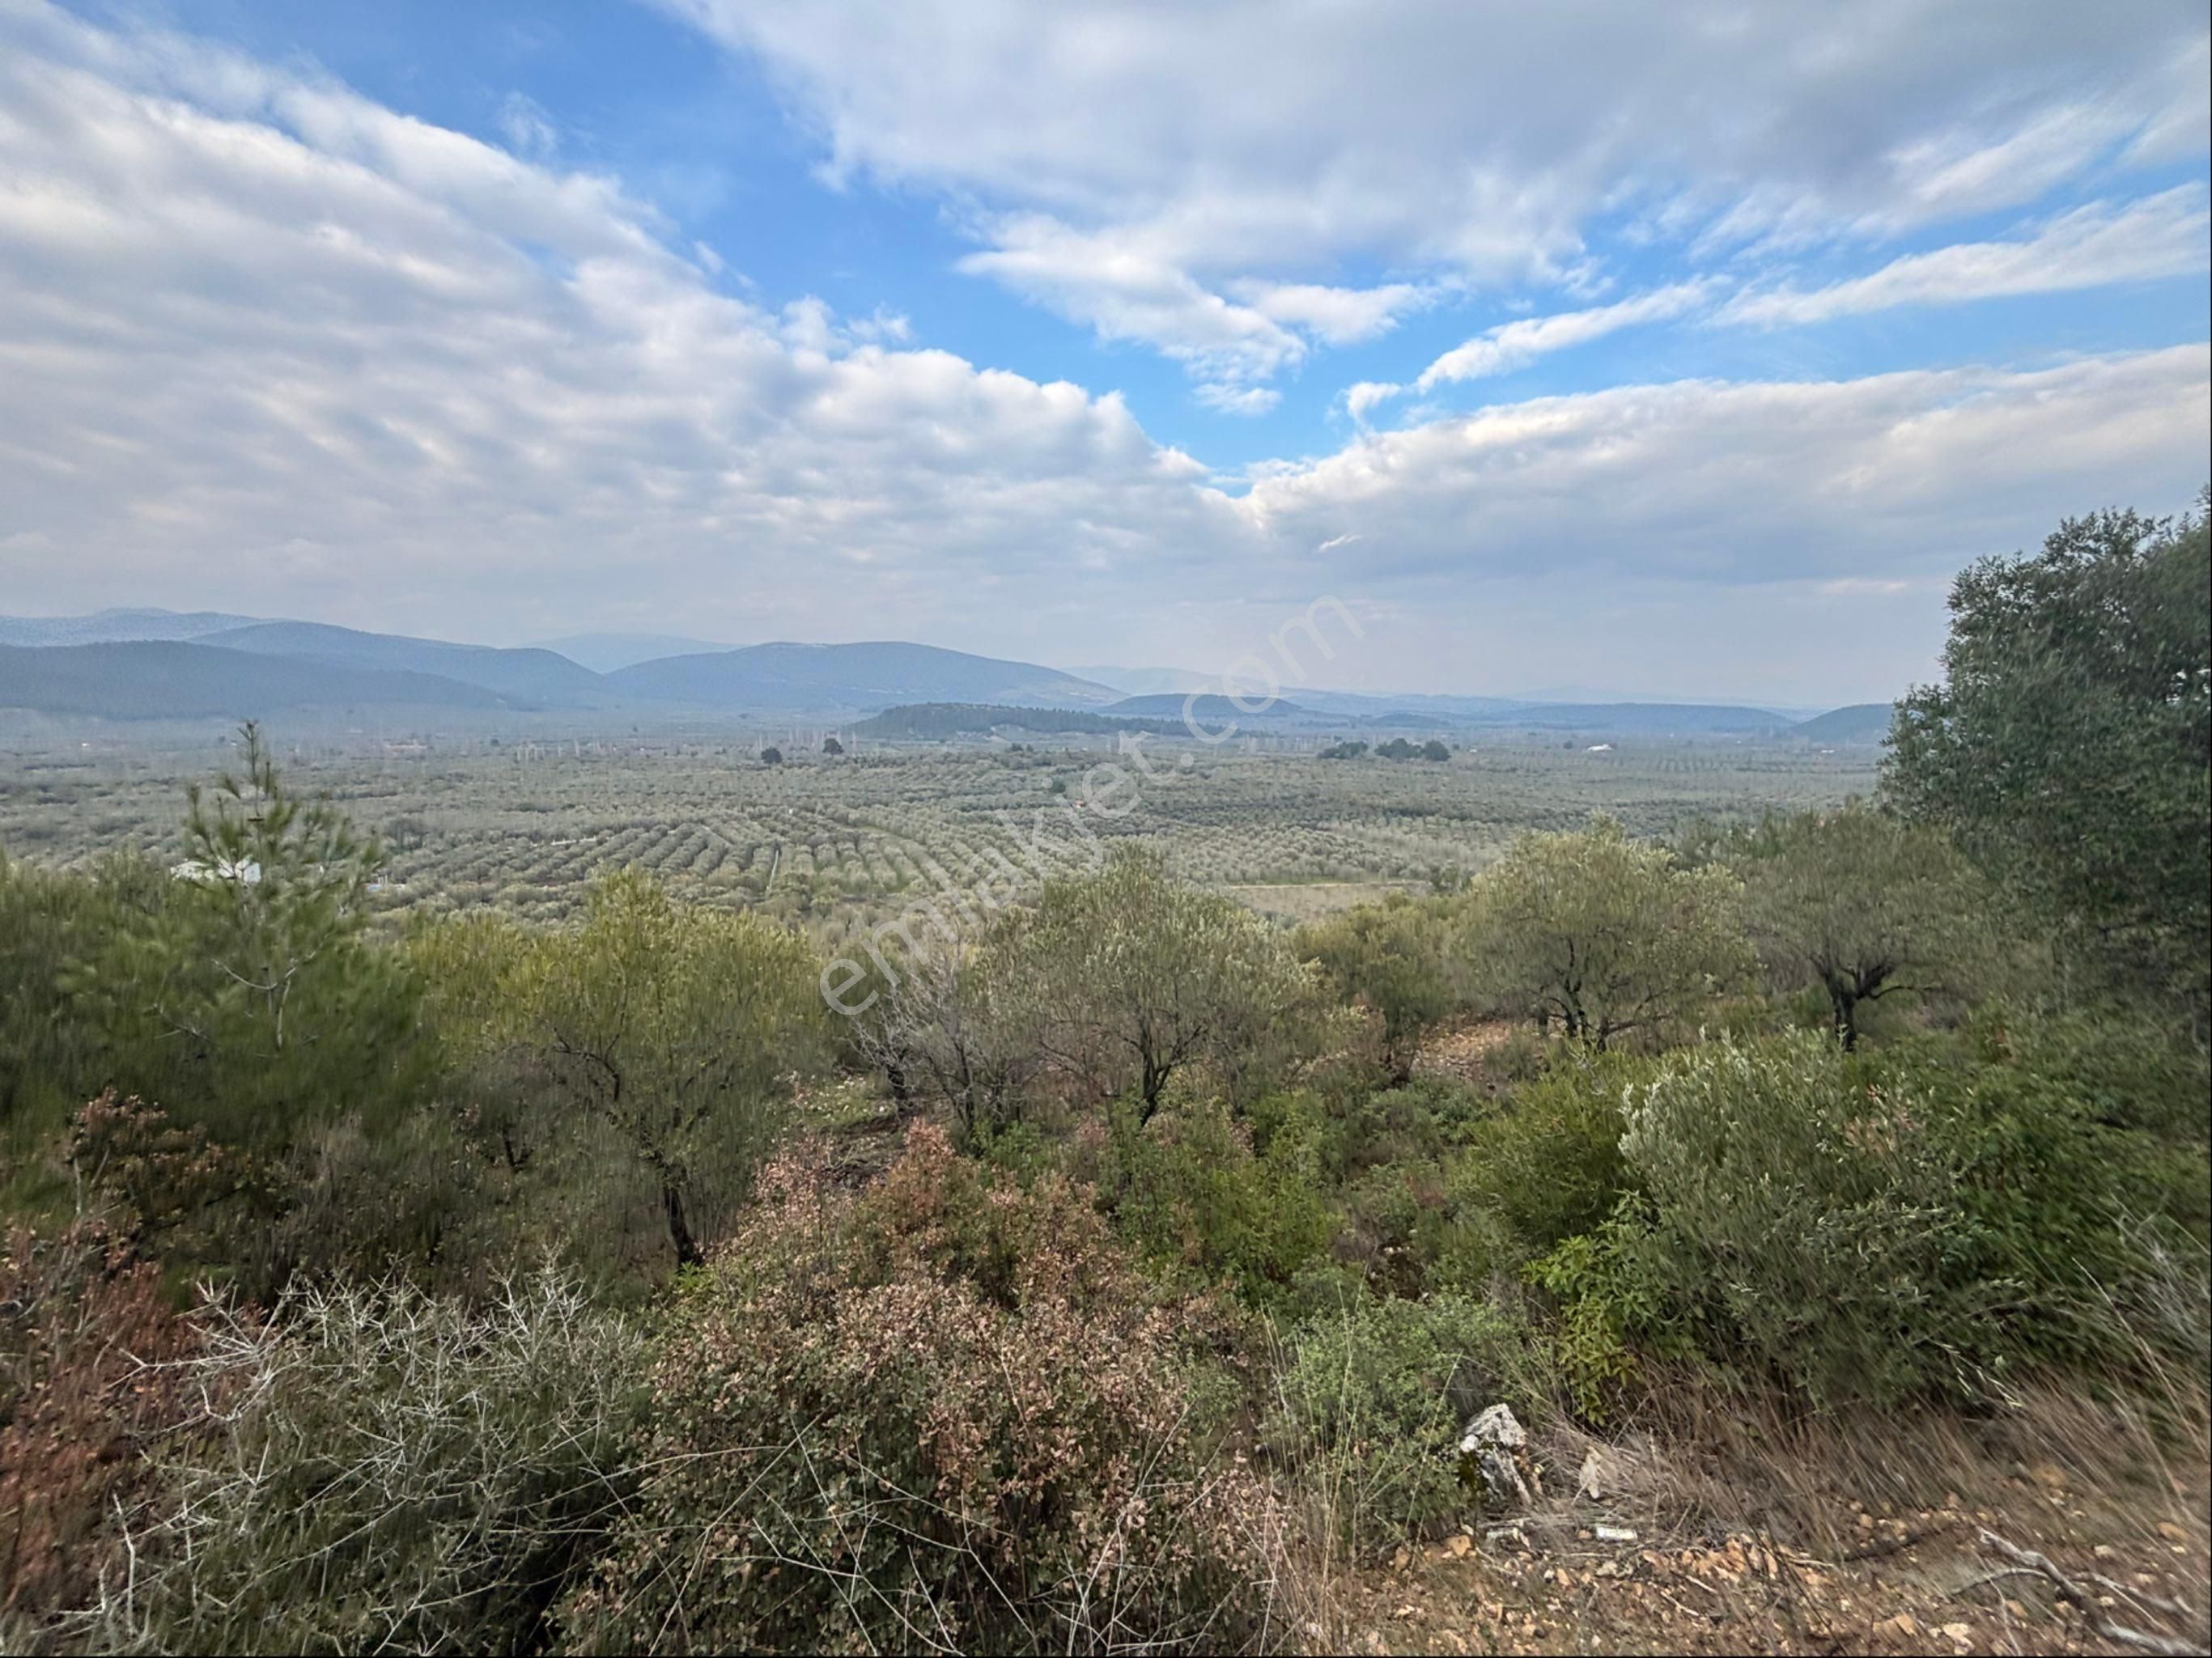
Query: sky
column 1687, row 350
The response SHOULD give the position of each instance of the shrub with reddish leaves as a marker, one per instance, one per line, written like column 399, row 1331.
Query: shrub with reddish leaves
column 86, row 1390
column 937, row 1415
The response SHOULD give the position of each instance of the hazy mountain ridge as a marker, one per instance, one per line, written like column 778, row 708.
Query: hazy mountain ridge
column 862, row 678
column 152, row 679
column 105, row 626
column 872, row 675
column 1859, row 722
column 532, row 675
column 605, row 652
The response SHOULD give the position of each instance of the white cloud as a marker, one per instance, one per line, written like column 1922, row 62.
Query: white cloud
column 1126, row 292
column 529, row 130
column 1361, row 398
column 1889, row 476
column 2092, row 246
column 284, row 345
column 1247, row 148
column 1231, row 399
column 1341, row 316
column 1516, row 344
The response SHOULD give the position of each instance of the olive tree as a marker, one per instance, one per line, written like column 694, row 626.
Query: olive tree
column 933, row 1029
column 1866, row 905
column 1124, row 979
column 1605, row 934
column 1392, row 956
column 679, row 1027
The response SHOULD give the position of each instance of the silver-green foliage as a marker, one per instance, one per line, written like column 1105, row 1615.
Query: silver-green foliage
column 1932, row 1217
column 1604, row 933
column 383, row 1471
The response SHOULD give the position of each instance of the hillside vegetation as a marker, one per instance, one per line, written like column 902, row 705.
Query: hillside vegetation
column 1089, row 1263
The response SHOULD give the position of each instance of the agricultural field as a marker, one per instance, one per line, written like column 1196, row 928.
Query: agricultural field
column 833, row 842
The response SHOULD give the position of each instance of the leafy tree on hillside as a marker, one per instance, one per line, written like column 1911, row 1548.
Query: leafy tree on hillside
column 45, row 919
column 1125, row 978
column 831, row 746
column 1604, row 933
column 676, row 1025
column 1392, row 956
column 1866, row 904
column 929, row 1028
column 2070, row 748
column 771, row 756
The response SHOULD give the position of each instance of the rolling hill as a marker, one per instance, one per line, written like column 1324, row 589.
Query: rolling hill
column 939, row 721
column 1209, row 710
column 604, row 652
column 148, row 679
column 1862, row 723
column 865, row 676
column 104, row 626
column 521, row 677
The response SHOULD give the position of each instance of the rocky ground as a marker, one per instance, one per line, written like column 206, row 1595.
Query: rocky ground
column 1626, row 1570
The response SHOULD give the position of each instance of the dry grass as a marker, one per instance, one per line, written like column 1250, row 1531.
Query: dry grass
column 1760, row 1530
column 1300, row 902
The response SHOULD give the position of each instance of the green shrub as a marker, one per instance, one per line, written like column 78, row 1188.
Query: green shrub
column 1420, row 1121
column 1391, row 958
column 1923, row 1220
column 938, row 1413
column 1542, row 1164
column 1188, row 1193
column 1373, row 1395
column 384, row 1470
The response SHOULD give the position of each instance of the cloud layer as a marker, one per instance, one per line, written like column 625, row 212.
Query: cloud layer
column 267, row 345
column 1147, row 178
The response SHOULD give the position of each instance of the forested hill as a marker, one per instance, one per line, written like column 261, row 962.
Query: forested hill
column 1862, row 722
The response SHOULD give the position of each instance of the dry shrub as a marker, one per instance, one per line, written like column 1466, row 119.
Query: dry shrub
column 377, row 1469
column 937, row 1415
column 84, row 1337
column 180, row 1193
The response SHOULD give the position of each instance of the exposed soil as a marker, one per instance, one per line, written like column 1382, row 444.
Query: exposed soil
column 1907, row 1580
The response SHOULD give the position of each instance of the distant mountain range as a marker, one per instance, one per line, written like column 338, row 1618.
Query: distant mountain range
column 604, row 652
column 133, row 664
column 526, row 678
column 178, row 679
column 857, row 677
column 238, row 666
column 104, row 626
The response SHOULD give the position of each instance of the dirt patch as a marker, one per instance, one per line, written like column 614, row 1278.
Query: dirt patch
column 1646, row 1568
column 1466, row 1051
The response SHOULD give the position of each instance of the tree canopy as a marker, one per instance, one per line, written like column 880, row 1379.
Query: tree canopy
column 677, row 1026
column 1128, row 976
column 1866, row 905
column 1601, row 933
column 2069, row 749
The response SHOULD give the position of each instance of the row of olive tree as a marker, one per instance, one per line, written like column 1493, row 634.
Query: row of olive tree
column 1114, row 984
column 1602, row 935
